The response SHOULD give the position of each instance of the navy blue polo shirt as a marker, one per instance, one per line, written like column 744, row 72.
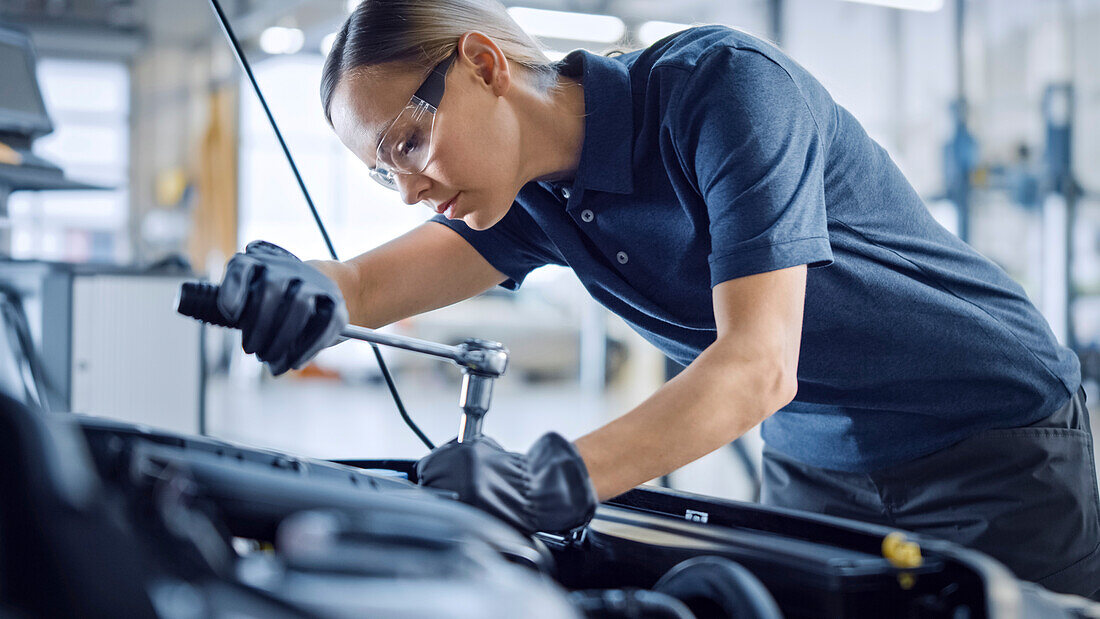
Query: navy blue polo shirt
column 710, row 156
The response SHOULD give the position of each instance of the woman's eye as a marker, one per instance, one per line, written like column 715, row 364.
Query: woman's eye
column 407, row 145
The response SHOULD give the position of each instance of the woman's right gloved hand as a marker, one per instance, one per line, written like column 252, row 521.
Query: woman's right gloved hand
column 286, row 309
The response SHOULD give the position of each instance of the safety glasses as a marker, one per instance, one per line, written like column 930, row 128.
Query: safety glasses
column 405, row 146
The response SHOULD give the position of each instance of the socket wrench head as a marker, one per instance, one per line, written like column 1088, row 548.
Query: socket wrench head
column 483, row 357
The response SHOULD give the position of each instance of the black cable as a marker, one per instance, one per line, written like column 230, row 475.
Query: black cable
column 239, row 53
column 396, row 398
column 223, row 21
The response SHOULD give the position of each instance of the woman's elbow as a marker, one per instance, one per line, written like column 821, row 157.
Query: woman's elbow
column 782, row 387
column 786, row 389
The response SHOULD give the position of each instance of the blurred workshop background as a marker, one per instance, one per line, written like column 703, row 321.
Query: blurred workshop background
column 168, row 165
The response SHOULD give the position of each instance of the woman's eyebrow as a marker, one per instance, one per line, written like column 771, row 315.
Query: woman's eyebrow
column 382, row 132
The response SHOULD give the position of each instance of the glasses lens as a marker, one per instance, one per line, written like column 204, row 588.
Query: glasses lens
column 406, row 145
column 383, row 177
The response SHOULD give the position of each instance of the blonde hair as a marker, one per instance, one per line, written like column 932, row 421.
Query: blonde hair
column 422, row 33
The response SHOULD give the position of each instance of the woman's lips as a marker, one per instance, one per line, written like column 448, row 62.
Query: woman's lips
column 447, row 208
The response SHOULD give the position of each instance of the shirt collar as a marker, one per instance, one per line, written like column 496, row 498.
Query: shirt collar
column 607, row 154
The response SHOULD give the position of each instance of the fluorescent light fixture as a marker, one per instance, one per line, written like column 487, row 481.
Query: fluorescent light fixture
column 653, row 31
column 928, row 6
column 326, row 43
column 554, row 55
column 574, row 26
column 280, row 40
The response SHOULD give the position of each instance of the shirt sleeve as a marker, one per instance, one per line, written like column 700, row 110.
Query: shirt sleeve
column 746, row 136
column 515, row 245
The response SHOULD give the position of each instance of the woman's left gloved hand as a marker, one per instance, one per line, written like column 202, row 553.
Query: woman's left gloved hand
column 547, row 489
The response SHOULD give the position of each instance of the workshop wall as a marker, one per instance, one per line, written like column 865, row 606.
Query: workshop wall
column 172, row 109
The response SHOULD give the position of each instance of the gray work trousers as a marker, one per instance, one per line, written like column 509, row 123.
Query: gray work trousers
column 1025, row 496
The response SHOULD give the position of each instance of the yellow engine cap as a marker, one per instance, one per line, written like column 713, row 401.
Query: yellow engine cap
column 900, row 552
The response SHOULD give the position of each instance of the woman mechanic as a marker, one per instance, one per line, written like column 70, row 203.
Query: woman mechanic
column 708, row 190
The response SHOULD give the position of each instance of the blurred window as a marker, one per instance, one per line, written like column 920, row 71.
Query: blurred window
column 358, row 213
column 89, row 103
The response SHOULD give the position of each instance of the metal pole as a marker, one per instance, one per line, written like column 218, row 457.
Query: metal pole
column 5, row 222
column 963, row 142
column 775, row 21
column 960, row 63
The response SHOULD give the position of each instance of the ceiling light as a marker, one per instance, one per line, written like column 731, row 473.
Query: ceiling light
column 928, row 6
column 574, row 26
column 653, row 31
column 350, row 5
column 280, row 40
column 326, row 43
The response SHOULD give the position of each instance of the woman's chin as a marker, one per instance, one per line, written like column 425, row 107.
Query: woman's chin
column 480, row 220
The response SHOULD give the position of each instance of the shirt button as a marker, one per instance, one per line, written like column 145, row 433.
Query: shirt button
column 587, row 216
column 622, row 257
column 565, row 192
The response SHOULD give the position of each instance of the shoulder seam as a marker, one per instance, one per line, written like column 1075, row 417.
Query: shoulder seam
column 730, row 46
column 691, row 73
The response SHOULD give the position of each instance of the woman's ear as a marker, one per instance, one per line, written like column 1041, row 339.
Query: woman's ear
column 489, row 64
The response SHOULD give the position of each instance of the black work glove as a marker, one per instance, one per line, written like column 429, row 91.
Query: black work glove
column 547, row 489
column 287, row 311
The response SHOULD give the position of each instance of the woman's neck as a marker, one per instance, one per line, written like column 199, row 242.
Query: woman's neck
column 552, row 131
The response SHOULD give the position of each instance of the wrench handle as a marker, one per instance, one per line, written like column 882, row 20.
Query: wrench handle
column 199, row 300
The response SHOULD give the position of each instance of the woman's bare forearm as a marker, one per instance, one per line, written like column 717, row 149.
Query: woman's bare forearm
column 716, row 399
column 347, row 278
column 427, row 268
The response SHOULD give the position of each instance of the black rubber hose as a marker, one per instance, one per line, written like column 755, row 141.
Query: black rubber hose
column 719, row 587
column 629, row 604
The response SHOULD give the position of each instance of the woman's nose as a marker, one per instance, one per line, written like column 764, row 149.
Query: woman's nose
column 412, row 187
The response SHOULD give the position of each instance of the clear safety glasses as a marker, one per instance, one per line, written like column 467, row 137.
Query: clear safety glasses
column 405, row 146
